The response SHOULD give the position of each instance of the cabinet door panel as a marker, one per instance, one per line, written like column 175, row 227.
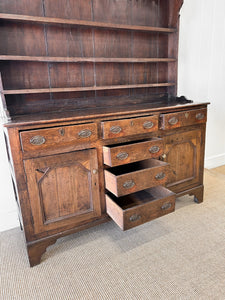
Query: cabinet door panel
column 63, row 189
column 183, row 154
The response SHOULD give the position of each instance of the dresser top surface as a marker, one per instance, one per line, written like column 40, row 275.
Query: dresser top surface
column 101, row 113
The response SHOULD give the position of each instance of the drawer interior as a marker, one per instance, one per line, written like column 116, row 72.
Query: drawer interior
column 142, row 197
column 132, row 143
column 140, row 207
column 137, row 166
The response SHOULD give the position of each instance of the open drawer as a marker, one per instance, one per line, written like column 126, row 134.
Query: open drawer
column 141, row 207
column 130, row 178
column 115, row 155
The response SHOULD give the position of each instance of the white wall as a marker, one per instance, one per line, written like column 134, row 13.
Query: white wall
column 201, row 77
column 201, row 74
column 8, row 209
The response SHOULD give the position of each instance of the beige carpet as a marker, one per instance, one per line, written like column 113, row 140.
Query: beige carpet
column 179, row 256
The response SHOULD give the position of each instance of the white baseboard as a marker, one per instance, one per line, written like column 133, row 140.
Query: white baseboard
column 8, row 220
column 215, row 161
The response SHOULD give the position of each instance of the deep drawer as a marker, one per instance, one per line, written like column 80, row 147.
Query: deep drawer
column 141, row 207
column 128, row 127
column 59, row 136
column 135, row 177
column 186, row 118
column 116, row 155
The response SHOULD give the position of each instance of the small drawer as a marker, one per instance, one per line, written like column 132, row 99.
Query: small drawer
column 127, row 179
column 186, row 118
column 141, row 207
column 41, row 139
column 115, row 155
column 128, row 127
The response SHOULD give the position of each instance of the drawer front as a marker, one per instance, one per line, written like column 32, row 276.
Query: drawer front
column 59, row 136
column 128, row 127
column 128, row 153
column 141, row 207
column 186, row 118
column 154, row 174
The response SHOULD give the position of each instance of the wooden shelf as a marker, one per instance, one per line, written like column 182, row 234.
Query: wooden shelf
column 85, row 59
column 81, row 89
column 73, row 22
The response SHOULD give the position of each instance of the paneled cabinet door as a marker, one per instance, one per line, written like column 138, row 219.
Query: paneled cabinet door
column 63, row 189
column 183, row 152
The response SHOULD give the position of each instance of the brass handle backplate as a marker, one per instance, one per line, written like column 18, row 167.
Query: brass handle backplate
column 166, row 206
column 160, row 176
column 115, row 129
column 173, row 121
column 37, row 140
column 129, row 184
column 135, row 217
column 200, row 116
column 85, row 133
column 148, row 125
column 122, row 155
column 154, row 149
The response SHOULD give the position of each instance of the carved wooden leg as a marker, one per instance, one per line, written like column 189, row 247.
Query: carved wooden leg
column 37, row 249
column 198, row 194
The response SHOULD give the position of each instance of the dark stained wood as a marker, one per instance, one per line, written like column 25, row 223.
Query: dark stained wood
column 175, row 6
column 186, row 118
column 128, row 179
column 36, row 250
column 197, row 192
column 67, row 186
column 58, row 21
column 68, row 9
column 183, row 153
column 22, row 7
column 90, row 86
column 141, row 207
column 127, row 127
column 21, row 40
column 141, row 106
column 115, row 155
column 60, row 136
column 84, row 59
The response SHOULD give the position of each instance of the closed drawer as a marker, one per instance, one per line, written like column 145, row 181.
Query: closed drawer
column 186, row 118
column 128, row 127
column 116, row 155
column 141, row 207
column 58, row 136
column 127, row 179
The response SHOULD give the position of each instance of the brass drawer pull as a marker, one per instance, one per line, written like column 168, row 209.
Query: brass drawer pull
column 148, row 125
column 154, row 149
column 135, row 217
column 129, row 184
column 115, row 129
column 200, row 116
column 85, row 133
column 37, row 140
column 122, row 155
column 160, row 176
column 166, row 206
column 173, row 121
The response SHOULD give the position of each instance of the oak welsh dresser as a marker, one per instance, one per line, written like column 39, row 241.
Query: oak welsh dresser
column 94, row 128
